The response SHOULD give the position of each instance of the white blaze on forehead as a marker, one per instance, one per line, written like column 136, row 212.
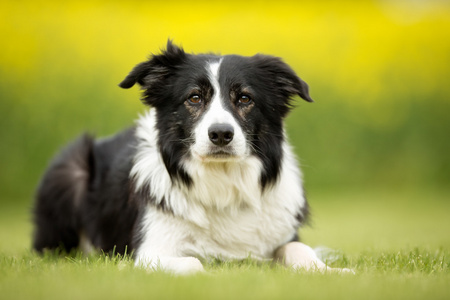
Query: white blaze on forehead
column 213, row 68
column 216, row 109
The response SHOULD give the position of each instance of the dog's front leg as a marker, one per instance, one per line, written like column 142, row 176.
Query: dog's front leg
column 299, row 256
column 175, row 265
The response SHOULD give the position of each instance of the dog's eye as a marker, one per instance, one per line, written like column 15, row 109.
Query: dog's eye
column 244, row 99
column 195, row 99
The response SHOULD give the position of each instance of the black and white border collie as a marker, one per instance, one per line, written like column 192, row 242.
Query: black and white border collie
column 206, row 173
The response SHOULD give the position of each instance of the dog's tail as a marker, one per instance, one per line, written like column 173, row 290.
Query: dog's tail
column 59, row 195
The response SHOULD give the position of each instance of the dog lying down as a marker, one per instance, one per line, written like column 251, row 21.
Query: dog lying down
column 206, row 173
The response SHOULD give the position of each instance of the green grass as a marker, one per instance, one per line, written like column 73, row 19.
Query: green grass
column 398, row 247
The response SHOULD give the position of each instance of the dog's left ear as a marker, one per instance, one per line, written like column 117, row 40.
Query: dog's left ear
column 284, row 77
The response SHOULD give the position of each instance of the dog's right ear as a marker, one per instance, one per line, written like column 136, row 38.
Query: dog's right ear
column 137, row 75
column 152, row 75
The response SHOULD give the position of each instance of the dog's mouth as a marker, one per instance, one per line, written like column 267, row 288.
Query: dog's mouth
column 218, row 155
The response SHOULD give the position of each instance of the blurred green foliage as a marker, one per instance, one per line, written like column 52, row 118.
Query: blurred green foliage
column 378, row 71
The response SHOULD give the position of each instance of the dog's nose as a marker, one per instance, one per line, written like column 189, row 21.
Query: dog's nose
column 221, row 134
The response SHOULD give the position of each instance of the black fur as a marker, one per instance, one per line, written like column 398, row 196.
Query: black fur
column 86, row 189
column 59, row 196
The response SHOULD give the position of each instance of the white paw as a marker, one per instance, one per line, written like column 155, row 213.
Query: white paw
column 301, row 257
column 186, row 266
column 346, row 271
column 174, row 265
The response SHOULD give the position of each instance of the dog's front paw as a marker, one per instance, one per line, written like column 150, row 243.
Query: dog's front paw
column 301, row 257
column 346, row 271
column 174, row 265
column 186, row 266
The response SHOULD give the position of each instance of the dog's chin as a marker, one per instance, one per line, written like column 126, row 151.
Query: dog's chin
column 217, row 156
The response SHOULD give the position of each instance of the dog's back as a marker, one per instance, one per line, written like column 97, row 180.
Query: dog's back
column 71, row 203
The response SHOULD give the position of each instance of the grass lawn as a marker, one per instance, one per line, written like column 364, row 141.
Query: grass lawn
column 398, row 242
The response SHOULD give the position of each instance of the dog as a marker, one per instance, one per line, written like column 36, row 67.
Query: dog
column 206, row 173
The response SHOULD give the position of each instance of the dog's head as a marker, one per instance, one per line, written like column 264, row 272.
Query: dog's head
column 218, row 109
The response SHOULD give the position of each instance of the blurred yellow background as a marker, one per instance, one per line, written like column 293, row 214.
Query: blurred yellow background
column 378, row 71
